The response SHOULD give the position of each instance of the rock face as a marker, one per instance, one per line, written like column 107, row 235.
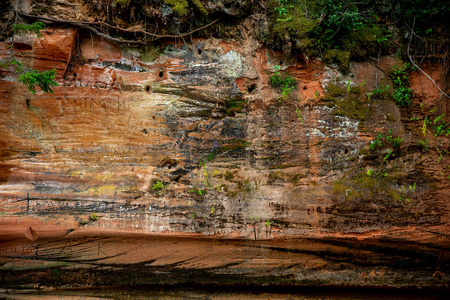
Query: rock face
column 186, row 147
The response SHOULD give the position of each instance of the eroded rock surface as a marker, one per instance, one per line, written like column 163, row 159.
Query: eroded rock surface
column 250, row 182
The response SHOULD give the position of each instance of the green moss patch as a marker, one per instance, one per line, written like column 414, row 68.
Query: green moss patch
column 347, row 101
column 339, row 57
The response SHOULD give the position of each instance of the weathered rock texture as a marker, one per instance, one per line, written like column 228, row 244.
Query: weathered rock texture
column 257, row 188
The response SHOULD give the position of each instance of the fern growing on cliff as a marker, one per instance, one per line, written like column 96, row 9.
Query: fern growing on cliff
column 31, row 78
column 44, row 80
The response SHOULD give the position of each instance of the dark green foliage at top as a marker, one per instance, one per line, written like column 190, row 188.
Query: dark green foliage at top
column 45, row 80
column 424, row 13
column 316, row 27
column 345, row 30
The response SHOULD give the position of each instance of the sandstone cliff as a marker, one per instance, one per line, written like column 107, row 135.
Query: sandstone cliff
column 182, row 154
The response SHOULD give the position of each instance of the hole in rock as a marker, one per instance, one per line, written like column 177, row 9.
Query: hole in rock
column 199, row 51
column 281, row 63
column 28, row 103
column 167, row 162
column 161, row 73
column 346, row 151
column 147, row 88
column 420, row 100
column 74, row 75
column 305, row 87
column 145, row 131
column 251, row 88
column 22, row 46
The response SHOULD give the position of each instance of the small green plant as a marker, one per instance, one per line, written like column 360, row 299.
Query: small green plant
column 212, row 210
column 380, row 91
column 211, row 155
column 395, row 142
column 386, row 157
column 441, row 153
column 286, row 83
column 370, row 172
column 440, row 127
column 377, row 142
column 203, row 165
column 299, row 114
column 423, row 144
column 269, row 223
column 159, row 187
column 198, row 191
column 382, row 173
column 93, row 217
column 349, row 86
column 424, row 126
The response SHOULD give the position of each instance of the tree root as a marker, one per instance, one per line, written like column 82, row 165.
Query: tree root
column 89, row 26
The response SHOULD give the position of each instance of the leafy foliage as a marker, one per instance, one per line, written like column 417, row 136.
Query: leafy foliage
column 45, row 80
column 159, row 187
column 284, row 82
column 394, row 141
column 13, row 62
column 440, row 127
column 402, row 92
column 34, row 28
column 377, row 142
column 380, row 91
column 198, row 191
column 93, row 217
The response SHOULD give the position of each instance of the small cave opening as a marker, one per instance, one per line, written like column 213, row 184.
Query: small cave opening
column 27, row 101
column 161, row 74
column 305, row 88
column 251, row 88
column 281, row 63
column 22, row 46
column 346, row 151
column 144, row 131
column 147, row 89
column 199, row 51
